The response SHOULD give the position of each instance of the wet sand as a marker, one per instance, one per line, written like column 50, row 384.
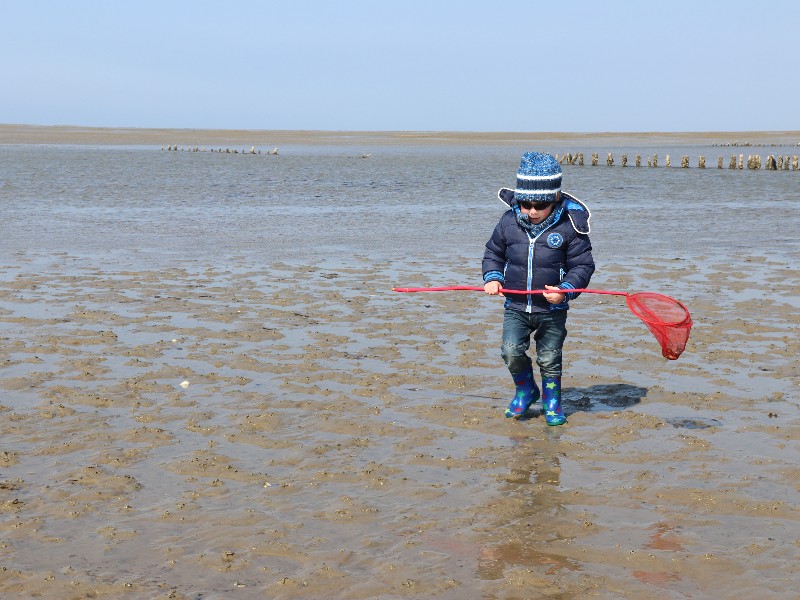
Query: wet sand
column 197, row 428
column 351, row 443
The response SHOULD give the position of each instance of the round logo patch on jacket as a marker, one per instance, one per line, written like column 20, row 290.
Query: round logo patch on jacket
column 554, row 240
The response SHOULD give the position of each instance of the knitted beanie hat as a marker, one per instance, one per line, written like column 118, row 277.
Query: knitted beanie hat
column 538, row 178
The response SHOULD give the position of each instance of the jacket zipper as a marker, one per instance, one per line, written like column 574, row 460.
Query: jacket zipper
column 531, row 242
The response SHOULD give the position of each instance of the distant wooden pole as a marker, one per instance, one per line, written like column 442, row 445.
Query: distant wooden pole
column 752, row 162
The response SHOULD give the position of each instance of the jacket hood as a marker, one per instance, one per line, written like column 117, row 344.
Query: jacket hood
column 577, row 211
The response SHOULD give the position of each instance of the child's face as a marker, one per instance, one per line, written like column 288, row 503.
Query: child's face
column 536, row 211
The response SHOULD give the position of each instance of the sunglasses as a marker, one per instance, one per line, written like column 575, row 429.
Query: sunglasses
column 535, row 205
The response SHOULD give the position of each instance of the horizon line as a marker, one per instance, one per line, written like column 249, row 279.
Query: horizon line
column 403, row 131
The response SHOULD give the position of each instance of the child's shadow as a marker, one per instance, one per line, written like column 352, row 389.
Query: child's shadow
column 605, row 397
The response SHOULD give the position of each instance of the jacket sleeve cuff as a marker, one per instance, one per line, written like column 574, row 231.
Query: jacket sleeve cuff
column 493, row 276
column 568, row 286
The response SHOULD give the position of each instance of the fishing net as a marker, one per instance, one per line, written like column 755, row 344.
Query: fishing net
column 666, row 318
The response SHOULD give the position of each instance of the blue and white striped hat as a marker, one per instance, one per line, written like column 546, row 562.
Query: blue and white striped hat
column 538, row 178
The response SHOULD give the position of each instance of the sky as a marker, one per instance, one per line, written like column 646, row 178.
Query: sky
column 410, row 65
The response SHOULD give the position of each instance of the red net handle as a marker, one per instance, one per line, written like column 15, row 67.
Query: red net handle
column 475, row 288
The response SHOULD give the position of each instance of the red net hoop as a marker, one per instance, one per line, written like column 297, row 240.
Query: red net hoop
column 666, row 318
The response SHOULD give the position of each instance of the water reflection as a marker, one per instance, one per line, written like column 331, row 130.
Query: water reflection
column 665, row 537
column 528, row 513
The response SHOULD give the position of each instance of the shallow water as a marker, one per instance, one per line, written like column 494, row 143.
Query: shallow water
column 329, row 202
column 339, row 440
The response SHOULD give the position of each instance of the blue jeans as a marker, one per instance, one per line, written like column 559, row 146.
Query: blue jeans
column 549, row 331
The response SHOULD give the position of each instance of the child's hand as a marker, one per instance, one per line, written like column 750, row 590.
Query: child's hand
column 555, row 297
column 492, row 287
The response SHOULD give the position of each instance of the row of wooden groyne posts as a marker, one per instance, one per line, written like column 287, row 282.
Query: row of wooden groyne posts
column 252, row 150
column 753, row 162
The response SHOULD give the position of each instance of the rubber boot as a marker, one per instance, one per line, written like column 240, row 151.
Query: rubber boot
column 527, row 393
column 551, row 401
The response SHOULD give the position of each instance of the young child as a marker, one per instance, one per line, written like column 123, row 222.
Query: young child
column 540, row 243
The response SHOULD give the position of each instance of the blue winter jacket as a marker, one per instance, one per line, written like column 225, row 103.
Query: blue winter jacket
column 560, row 255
